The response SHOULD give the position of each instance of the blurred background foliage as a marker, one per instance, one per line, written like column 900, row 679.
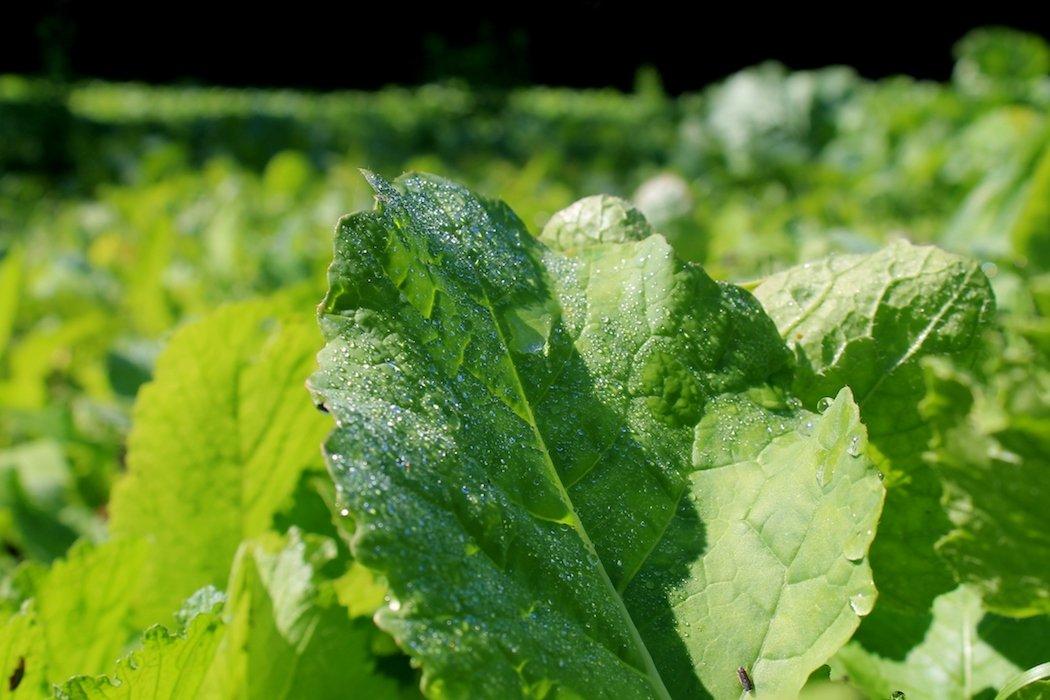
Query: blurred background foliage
column 126, row 209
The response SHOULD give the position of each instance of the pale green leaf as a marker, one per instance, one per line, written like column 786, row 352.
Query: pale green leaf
column 166, row 666
column 280, row 634
column 1030, row 234
column 219, row 440
column 1006, row 214
column 788, row 512
column 953, row 661
column 80, row 615
column 288, row 636
column 21, row 646
column 866, row 322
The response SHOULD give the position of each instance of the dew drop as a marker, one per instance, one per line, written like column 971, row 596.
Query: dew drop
column 824, row 403
column 806, row 428
column 854, row 447
column 862, row 603
column 856, row 545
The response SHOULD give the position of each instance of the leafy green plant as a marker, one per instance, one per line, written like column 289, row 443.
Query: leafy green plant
column 584, row 466
column 567, row 460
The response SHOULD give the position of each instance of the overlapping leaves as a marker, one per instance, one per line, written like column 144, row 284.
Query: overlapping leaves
column 577, row 466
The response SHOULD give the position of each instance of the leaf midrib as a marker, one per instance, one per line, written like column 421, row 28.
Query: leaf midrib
column 652, row 673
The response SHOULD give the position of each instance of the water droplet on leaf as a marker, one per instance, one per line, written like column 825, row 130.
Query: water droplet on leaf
column 862, row 603
column 854, row 447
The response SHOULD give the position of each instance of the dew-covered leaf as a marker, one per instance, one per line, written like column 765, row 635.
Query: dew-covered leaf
column 525, row 435
column 787, row 507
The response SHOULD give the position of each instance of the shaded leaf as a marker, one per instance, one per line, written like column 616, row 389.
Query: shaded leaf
column 951, row 662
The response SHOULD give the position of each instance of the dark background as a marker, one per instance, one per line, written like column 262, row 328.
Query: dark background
column 577, row 43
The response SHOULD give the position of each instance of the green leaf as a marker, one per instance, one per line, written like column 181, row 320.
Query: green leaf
column 11, row 272
column 1006, row 214
column 219, row 440
column 866, row 322
column 80, row 615
column 20, row 646
column 529, row 441
column 169, row 666
column 994, row 467
column 1032, row 684
column 952, row 662
column 288, row 636
column 84, row 604
column 1030, row 234
column 280, row 634
column 788, row 512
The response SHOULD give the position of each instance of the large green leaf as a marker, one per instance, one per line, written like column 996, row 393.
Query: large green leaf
column 954, row 661
column 576, row 467
column 220, row 438
column 866, row 321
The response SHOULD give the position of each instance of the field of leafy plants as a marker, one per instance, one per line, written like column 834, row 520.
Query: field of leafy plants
column 742, row 393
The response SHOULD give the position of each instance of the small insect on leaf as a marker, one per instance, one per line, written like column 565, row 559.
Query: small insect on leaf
column 16, row 676
column 745, row 680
